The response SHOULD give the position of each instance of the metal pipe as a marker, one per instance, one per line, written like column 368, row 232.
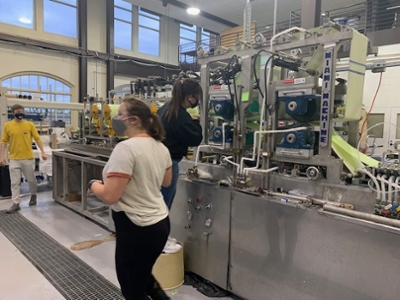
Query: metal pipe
column 275, row 11
column 311, row 200
column 246, row 170
column 45, row 104
column 362, row 215
column 254, row 144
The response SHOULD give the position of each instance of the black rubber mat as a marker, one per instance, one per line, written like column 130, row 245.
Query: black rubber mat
column 71, row 276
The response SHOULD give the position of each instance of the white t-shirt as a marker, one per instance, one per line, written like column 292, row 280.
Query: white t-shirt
column 144, row 160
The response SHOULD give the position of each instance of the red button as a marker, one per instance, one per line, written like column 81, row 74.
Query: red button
column 198, row 200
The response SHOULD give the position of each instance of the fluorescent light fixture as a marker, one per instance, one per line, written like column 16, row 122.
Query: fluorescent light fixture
column 193, row 11
column 24, row 20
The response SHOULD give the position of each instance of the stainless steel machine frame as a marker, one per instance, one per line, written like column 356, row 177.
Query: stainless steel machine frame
column 202, row 221
column 281, row 247
column 262, row 247
column 71, row 172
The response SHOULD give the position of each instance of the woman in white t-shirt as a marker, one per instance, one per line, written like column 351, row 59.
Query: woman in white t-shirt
column 133, row 176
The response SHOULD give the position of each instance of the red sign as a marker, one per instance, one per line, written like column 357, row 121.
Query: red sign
column 288, row 81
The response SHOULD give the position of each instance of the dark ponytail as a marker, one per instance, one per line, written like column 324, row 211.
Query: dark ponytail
column 151, row 123
column 182, row 88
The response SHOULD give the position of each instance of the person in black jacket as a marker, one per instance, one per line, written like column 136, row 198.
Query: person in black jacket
column 181, row 130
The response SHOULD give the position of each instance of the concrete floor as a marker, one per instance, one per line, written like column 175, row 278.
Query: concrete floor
column 23, row 281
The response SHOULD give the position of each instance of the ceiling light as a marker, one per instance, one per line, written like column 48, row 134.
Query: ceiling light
column 193, row 11
column 25, row 20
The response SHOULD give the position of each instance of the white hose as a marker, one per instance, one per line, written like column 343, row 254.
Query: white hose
column 396, row 191
column 284, row 32
column 251, row 170
column 383, row 179
column 383, row 186
column 198, row 153
column 227, row 159
column 253, row 158
column 391, row 184
column 366, row 132
column 366, row 172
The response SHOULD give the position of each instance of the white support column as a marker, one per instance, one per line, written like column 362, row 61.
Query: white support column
column 310, row 13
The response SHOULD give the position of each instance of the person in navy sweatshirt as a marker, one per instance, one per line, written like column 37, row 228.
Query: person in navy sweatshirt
column 182, row 131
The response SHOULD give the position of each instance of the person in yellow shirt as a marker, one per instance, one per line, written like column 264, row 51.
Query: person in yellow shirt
column 18, row 134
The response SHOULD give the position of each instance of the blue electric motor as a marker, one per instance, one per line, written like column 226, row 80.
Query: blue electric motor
column 302, row 139
column 223, row 107
column 302, row 108
column 216, row 135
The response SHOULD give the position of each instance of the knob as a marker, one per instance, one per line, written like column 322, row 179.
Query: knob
column 208, row 223
column 187, row 226
column 206, row 234
column 189, row 200
column 189, row 215
column 198, row 207
column 209, row 206
column 198, row 200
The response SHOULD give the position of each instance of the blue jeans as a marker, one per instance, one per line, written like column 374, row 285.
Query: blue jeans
column 169, row 192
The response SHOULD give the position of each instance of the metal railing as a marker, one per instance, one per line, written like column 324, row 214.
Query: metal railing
column 366, row 17
column 353, row 16
column 188, row 51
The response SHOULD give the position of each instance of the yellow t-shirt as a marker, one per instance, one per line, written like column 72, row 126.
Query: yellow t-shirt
column 19, row 137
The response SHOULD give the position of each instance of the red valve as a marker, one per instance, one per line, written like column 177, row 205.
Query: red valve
column 198, row 200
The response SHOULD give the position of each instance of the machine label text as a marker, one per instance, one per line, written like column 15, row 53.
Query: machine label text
column 326, row 95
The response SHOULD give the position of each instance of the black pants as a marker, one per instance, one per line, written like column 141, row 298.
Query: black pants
column 137, row 249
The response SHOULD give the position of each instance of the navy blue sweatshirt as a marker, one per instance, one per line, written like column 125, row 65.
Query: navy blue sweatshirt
column 181, row 131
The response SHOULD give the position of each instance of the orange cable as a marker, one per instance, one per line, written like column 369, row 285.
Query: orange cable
column 372, row 105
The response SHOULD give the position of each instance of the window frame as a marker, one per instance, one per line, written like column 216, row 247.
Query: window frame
column 131, row 23
column 52, row 94
column 34, row 19
column 152, row 16
column 61, row 2
column 192, row 28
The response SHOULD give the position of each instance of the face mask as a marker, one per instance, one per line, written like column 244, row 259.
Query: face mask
column 118, row 126
column 195, row 103
column 19, row 116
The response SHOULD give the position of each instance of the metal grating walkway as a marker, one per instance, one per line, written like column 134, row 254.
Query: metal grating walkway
column 71, row 276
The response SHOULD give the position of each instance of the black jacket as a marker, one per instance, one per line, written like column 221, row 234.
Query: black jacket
column 181, row 132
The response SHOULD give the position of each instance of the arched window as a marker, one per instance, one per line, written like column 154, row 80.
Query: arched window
column 42, row 87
